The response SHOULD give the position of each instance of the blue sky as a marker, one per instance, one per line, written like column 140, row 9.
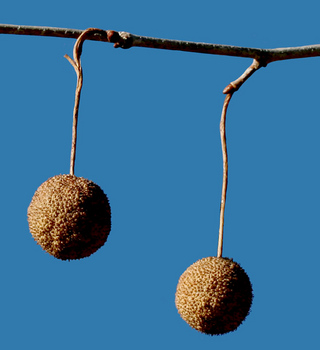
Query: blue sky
column 149, row 137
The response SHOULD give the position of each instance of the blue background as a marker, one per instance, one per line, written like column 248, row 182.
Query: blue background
column 149, row 136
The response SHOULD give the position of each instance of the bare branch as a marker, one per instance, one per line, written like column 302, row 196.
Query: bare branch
column 112, row 36
column 126, row 40
column 40, row 31
column 178, row 45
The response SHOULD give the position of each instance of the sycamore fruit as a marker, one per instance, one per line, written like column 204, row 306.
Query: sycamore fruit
column 214, row 295
column 69, row 217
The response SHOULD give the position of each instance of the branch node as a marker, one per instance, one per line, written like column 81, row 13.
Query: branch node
column 236, row 84
column 113, row 36
column 230, row 88
column 124, row 41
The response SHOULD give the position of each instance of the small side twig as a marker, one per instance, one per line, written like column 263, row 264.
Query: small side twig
column 236, row 84
column 76, row 64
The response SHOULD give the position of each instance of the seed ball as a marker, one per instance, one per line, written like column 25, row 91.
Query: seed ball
column 214, row 295
column 69, row 217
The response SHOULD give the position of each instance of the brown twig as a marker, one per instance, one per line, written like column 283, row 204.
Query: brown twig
column 236, row 84
column 127, row 40
column 111, row 37
column 76, row 64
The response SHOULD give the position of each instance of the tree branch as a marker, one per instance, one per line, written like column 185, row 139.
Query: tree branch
column 126, row 40
column 261, row 58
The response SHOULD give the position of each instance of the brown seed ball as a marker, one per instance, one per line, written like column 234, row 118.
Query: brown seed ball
column 69, row 217
column 214, row 295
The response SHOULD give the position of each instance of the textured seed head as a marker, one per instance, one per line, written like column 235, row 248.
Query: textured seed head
column 214, row 295
column 69, row 217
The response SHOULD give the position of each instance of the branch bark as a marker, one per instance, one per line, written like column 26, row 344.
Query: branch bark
column 126, row 40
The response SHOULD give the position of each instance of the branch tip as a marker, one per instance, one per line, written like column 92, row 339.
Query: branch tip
column 236, row 84
column 230, row 89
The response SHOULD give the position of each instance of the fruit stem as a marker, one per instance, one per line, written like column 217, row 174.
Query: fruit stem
column 76, row 64
column 75, row 119
column 225, row 171
column 77, row 67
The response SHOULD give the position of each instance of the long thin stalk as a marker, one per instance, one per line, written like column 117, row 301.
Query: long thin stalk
column 225, row 171
column 229, row 90
column 75, row 119
column 76, row 63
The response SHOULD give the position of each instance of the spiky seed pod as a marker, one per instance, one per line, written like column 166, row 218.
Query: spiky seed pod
column 214, row 295
column 69, row 217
